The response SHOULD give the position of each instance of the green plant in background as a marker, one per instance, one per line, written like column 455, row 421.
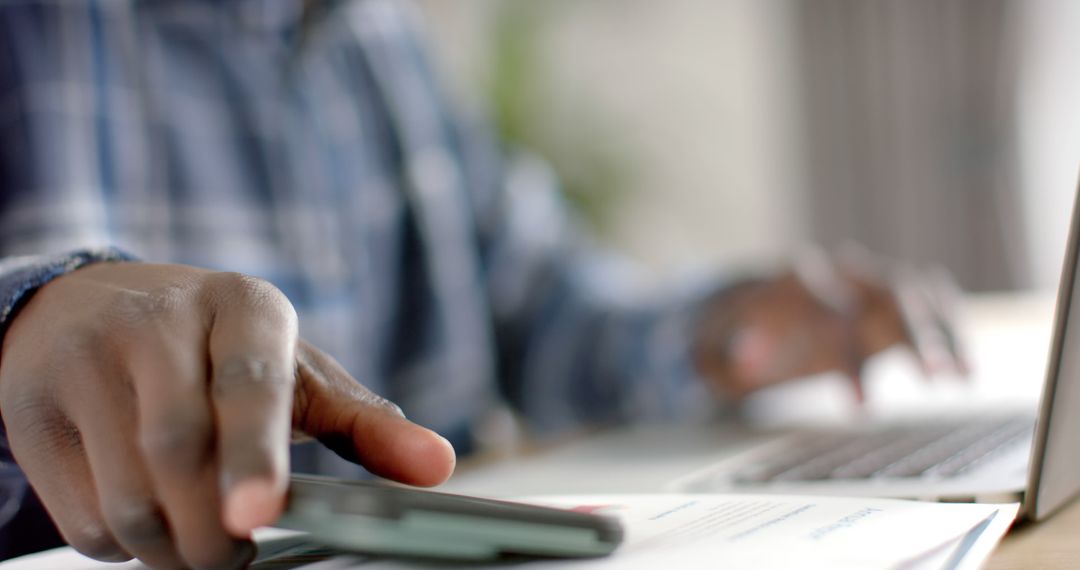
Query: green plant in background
column 584, row 150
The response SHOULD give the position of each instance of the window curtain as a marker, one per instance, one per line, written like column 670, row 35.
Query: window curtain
column 910, row 128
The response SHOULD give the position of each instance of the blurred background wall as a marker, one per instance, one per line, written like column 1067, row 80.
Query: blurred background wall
column 697, row 133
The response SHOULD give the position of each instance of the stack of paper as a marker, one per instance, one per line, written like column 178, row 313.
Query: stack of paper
column 707, row 531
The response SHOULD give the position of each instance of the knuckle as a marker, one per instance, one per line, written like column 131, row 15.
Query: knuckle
column 135, row 309
column 248, row 288
column 24, row 411
column 137, row 522
column 95, row 541
column 250, row 374
column 179, row 443
column 363, row 396
column 254, row 292
column 376, row 401
column 36, row 423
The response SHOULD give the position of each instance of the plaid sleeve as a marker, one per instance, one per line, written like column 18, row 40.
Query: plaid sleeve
column 24, row 526
column 20, row 277
column 580, row 340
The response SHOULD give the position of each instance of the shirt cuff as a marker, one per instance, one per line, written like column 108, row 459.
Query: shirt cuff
column 20, row 277
column 668, row 357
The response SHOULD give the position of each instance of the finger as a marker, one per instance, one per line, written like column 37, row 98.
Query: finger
column 828, row 286
column 48, row 448
column 893, row 312
column 365, row 428
column 945, row 294
column 852, row 359
column 252, row 353
column 921, row 329
column 124, row 489
column 176, row 436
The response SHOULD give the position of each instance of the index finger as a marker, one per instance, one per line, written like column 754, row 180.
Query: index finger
column 929, row 323
column 944, row 294
column 252, row 350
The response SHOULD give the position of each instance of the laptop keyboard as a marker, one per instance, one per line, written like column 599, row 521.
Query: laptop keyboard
column 931, row 450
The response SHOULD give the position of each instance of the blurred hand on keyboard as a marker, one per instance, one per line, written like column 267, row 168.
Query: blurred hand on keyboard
column 827, row 313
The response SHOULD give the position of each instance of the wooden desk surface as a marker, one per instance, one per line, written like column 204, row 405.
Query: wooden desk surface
column 1054, row 543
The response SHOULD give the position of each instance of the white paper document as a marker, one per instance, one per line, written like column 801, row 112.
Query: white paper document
column 705, row 531
column 768, row 531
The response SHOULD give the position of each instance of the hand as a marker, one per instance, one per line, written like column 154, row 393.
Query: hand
column 825, row 315
column 151, row 407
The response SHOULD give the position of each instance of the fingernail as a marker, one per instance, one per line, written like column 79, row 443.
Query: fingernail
column 251, row 504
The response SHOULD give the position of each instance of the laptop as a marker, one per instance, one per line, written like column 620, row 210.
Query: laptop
column 1029, row 456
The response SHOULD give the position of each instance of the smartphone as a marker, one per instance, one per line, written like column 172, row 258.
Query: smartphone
column 377, row 518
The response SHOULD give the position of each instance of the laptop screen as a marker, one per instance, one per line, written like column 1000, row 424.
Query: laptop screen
column 1054, row 475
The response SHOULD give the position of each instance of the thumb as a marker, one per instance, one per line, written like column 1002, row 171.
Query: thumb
column 363, row 427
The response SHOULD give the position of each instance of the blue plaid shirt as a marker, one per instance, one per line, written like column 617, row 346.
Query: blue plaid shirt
column 315, row 150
